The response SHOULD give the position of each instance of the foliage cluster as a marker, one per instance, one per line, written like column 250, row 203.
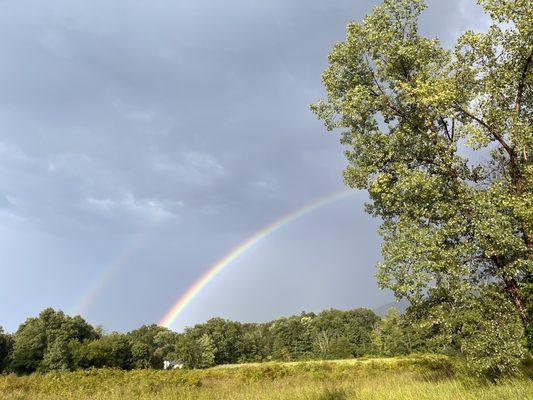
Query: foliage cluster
column 54, row 341
column 442, row 141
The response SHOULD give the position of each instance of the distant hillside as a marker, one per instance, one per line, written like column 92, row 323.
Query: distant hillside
column 401, row 306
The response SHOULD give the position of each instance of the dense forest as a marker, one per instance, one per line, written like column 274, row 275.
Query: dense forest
column 55, row 341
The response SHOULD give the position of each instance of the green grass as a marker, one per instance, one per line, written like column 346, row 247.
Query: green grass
column 416, row 378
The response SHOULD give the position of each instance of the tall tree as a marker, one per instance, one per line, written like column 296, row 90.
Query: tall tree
column 226, row 334
column 43, row 342
column 408, row 110
column 392, row 335
column 110, row 351
column 147, row 343
column 6, row 347
column 207, row 351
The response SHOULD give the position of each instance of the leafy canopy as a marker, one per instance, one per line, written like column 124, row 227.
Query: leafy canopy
column 442, row 140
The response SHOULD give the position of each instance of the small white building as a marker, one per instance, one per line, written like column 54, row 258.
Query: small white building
column 172, row 364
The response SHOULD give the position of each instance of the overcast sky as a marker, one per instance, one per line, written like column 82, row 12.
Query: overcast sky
column 154, row 136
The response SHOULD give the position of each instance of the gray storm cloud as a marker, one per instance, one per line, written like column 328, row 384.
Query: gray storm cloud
column 188, row 120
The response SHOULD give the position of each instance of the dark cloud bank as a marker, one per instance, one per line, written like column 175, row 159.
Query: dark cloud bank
column 185, row 123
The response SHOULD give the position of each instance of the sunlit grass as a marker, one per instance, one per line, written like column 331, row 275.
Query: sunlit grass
column 415, row 378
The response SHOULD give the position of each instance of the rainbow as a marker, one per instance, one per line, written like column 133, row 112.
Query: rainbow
column 116, row 264
column 243, row 247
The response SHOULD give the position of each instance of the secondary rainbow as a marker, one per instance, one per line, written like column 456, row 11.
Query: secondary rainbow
column 243, row 247
column 109, row 271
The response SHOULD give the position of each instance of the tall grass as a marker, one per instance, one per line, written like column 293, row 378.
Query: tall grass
column 395, row 379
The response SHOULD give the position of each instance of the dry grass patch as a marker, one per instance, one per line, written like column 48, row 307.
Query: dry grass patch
column 407, row 378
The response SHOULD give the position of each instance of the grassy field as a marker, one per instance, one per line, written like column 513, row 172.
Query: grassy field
column 395, row 378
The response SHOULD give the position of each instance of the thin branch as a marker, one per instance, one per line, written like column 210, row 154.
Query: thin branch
column 522, row 84
column 453, row 127
column 445, row 125
column 387, row 99
column 497, row 135
column 520, row 93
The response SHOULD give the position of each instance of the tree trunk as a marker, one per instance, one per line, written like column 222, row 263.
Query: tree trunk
column 511, row 287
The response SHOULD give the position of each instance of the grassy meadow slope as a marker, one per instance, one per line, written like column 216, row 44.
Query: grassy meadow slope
column 394, row 378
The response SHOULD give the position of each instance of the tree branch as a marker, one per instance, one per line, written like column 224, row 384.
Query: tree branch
column 520, row 93
column 453, row 127
column 511, row 287
column 390, row 104
column 522, row 84
column 497, row 135
column 445, row 124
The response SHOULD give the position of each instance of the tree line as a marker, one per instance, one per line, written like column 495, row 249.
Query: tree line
column 54, row 341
